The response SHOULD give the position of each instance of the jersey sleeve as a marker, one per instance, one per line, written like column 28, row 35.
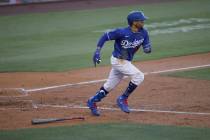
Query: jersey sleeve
column 110, row 35
column 146, row 43
column 113, row 34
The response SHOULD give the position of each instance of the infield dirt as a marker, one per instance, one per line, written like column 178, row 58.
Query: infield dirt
column 157, row 92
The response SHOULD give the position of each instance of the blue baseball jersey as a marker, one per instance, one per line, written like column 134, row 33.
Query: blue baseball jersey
column 127, row 42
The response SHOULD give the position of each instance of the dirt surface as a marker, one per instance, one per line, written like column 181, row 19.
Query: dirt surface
column 158, row 92
column 70, row 5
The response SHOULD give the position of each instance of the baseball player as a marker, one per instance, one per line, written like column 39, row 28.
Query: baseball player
column 127, row 41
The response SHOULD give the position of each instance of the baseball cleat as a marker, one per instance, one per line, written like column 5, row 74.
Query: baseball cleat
column 93, row 107
column 123, row 104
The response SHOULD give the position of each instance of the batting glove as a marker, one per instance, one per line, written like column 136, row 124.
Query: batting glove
column 97, row 56
column 147, row 50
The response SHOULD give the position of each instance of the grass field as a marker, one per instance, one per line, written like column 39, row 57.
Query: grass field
column 114, row 131
column 203, row 74
column 61, row 41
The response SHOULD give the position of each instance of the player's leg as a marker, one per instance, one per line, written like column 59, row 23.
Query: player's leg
column 113, row 79
column 91, row 103
column 137, row 78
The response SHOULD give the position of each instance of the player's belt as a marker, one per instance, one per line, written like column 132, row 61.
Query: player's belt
column 119, row 57
column 120, row 60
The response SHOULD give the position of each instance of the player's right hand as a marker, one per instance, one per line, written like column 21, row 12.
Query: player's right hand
column 96, row 57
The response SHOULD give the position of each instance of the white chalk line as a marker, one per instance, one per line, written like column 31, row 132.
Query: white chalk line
column 65, row 85
column 112, row 109
column 103, row 80
column 26, row 91
column 117, row 109
column 178, row 69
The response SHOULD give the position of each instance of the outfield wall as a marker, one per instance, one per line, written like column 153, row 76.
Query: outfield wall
column 15, row 2
column 63, row 5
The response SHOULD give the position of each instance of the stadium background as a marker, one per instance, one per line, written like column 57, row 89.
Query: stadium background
column 44, row 45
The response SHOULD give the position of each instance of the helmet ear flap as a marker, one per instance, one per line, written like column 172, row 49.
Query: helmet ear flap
column 130, row 23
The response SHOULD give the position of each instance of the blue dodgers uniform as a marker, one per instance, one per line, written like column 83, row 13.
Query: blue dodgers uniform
column 126, row 42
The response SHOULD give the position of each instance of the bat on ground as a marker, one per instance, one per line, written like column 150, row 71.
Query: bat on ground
column 50, row 120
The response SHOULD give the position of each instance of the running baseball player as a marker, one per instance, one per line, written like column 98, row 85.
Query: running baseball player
column 127, row 41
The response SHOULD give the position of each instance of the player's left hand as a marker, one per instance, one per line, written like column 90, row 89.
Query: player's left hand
column 147, row 50
column 96, row 57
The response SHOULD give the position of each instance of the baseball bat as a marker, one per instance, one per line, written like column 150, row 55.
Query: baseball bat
column 50, row 120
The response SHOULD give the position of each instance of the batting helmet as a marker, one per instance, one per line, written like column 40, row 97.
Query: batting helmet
column 136, row 16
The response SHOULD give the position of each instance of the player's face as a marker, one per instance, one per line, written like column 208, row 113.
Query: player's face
column 138, row 24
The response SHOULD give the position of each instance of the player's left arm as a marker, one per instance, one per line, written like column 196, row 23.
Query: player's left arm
column 146, row 43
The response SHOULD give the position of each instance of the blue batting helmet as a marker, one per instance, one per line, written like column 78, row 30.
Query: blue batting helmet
column 136, row 16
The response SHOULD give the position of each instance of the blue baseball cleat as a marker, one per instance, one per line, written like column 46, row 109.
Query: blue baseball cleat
column 93, row 107
column 123, row 104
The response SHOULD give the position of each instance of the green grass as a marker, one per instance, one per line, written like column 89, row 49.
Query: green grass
column 61, row 41
column 202, row 74
column 109, row 131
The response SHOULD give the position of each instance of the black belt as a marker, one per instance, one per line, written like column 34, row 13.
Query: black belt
column 119, row 57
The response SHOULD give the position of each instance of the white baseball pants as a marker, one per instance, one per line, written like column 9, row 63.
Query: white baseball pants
column 121, row 68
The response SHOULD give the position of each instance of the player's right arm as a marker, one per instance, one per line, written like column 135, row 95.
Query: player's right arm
column 110, row 35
